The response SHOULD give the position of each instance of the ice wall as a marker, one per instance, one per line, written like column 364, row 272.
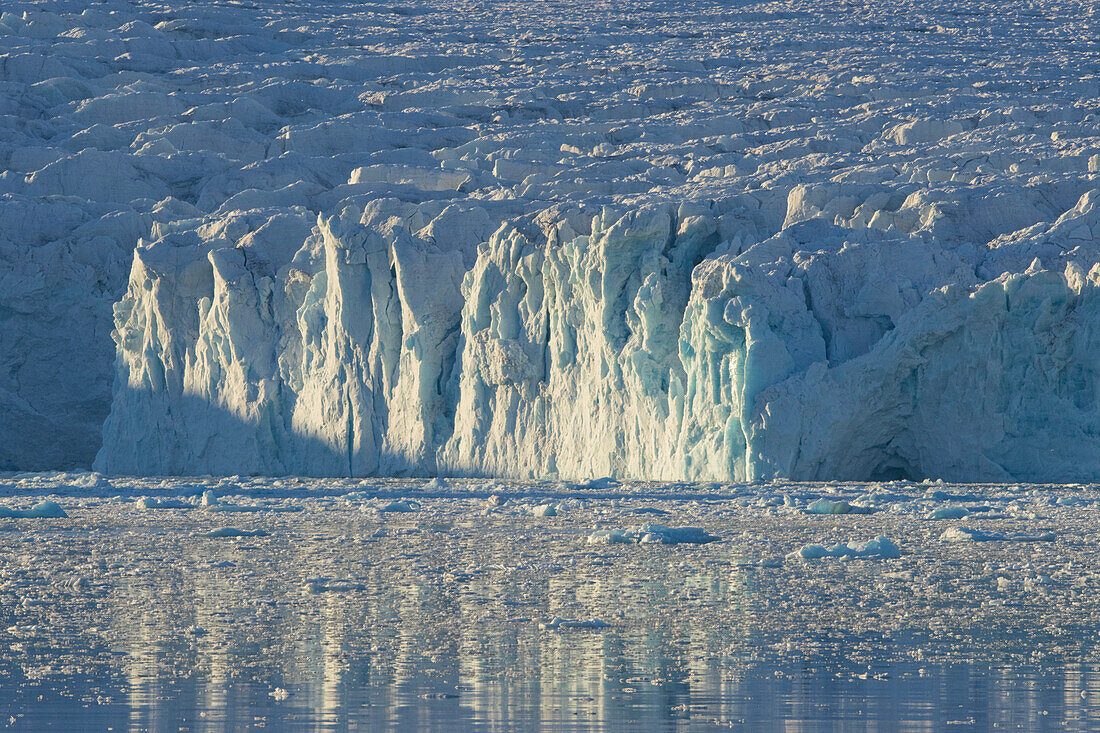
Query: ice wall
column 404, row 339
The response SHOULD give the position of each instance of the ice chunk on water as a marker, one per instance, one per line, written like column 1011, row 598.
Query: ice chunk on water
column 437, row 484
column 41, row 510
column 563, row 623
column 400, row 506
column 235, row 532
column 652, row 534
column 315, row 586
column 881, row 546
column 228, row 507
column 545, row 510
column 967, row 534
column 829, row 506
column 149, row 502
column 949, row 512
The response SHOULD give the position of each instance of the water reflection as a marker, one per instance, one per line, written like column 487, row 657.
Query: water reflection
column 430, row 629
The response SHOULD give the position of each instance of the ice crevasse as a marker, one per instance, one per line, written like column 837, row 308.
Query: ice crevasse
column 660, row 342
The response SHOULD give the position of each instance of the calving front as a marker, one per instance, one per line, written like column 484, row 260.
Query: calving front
column 662, row 342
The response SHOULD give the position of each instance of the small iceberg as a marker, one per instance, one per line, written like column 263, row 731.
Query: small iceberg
column 234, row 532
column 148, row 502
column 315, row 586
column 564, row 623
column 400, row 506
column 967, row 534
column 829, row 506
column 880, row 546
column 949, row 512
column 598, row 484
column 437, row 484
column 652, row 534
column 41, row 510
column 545, row 510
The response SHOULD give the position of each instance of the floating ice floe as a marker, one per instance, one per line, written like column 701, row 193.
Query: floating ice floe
column 949, row 512
column 545, row 510
column 564, row 623
column 649, row 510
column 148, row 502
column 652, row 534
column 967, row 534
column 400, row 506
column 881, row 546
column 88, row 480
column 234, row 532
column 329, row 585
column 607, row 482
column 437, row 484
column 829, row 506
column 41, row 510
column 212, row 503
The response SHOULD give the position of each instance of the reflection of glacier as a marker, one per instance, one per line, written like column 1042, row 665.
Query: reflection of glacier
column 420, row 653
column 392, row 339
column 421, row 646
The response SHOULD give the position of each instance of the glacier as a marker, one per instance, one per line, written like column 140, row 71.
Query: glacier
column 647, row 241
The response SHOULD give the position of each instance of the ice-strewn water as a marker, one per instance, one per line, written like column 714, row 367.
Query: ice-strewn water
column 411, row 604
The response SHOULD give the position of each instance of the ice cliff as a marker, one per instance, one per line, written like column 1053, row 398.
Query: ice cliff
column 539, row 239
column 636, row 344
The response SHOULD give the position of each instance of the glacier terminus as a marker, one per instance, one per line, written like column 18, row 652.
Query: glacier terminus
column 796, row 240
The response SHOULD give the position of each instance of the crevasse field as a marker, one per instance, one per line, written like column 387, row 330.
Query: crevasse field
column 697, row 306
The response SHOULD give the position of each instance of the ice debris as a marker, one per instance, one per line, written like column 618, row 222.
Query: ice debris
column 149, row 502
column 212, row 503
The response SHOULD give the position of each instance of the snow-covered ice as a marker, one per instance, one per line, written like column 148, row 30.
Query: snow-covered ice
column 677, row 241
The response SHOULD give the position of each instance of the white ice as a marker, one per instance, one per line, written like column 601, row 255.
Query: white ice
column 880, row 546
column 638, row 240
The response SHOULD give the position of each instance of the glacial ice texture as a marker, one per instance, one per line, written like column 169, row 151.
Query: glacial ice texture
column 646, row 240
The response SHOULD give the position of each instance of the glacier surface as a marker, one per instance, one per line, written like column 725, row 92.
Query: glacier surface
column 645, row 240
